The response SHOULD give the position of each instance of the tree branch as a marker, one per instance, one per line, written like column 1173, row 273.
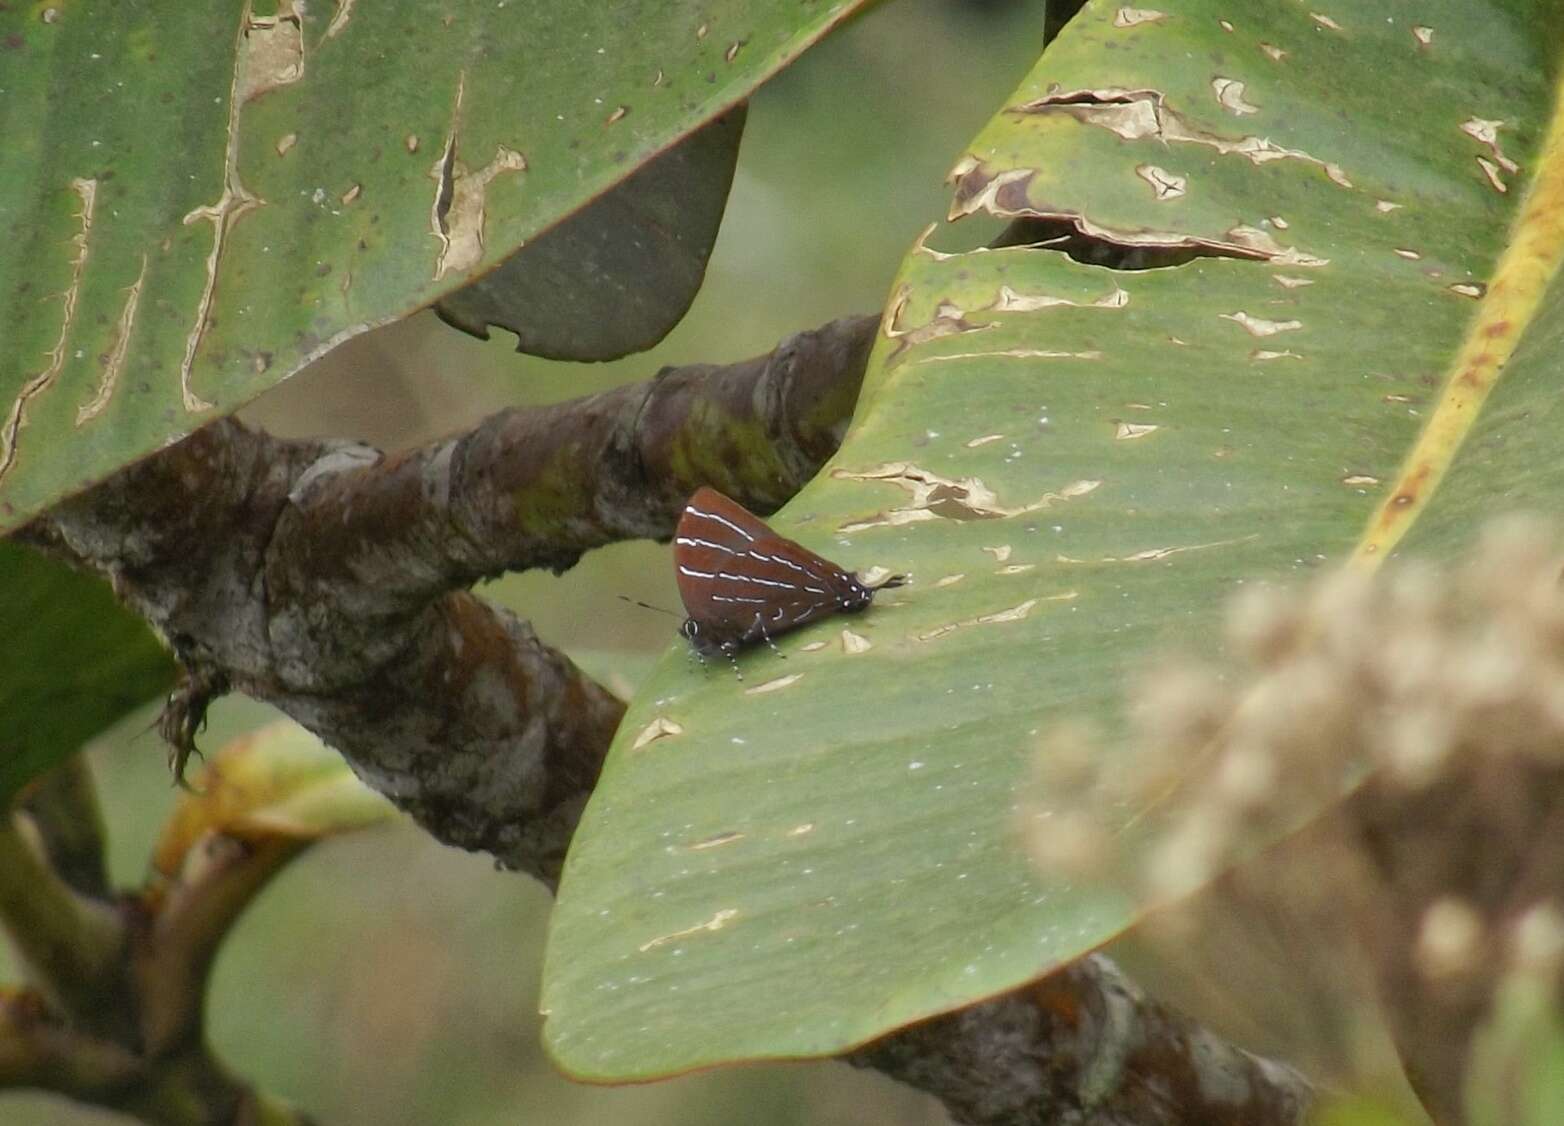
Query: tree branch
column 318, row 576
column 1085, row 1046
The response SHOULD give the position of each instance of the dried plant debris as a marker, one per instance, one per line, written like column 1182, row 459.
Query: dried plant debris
column 1426, row 710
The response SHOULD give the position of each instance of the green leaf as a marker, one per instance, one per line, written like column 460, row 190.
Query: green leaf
column 196, row 208
column 73, row 662
column 620, row 273
column 1078, row 465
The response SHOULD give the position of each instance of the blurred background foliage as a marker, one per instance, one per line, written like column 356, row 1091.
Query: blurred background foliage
column 385, row 979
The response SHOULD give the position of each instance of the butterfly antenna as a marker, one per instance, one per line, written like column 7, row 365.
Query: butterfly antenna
column 647, row 606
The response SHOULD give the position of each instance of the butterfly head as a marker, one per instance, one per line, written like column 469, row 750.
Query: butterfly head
column 853, row 595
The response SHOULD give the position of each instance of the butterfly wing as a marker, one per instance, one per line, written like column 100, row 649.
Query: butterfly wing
column 709, row 546
column 741, row 582
column 708, row 513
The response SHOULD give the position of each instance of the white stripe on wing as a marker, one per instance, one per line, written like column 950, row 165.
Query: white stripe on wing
column 693, row 511
column 691, row 541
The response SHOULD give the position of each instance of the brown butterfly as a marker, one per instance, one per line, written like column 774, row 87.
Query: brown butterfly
column 741, row 583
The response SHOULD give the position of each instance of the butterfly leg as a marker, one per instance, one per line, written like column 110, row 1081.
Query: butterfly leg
column 731, row 648
column 691, row 630
column 758, row 630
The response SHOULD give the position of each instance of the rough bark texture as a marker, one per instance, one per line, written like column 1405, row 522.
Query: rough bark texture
column 327, row 579
column 1085, row 1047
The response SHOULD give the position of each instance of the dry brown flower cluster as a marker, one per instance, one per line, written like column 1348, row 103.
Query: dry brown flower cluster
column 1418, row 714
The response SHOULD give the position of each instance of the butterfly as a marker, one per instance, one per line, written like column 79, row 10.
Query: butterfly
column 741, row 583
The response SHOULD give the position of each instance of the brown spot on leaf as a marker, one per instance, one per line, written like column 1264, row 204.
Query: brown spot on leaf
column 1491, row 171
column 948, row 320
column 1165, row 185
column 1407, row 494
column 1230, row 96
column 1134, row 17
column 271, row 53
column 933, row 497
column 1260, row 326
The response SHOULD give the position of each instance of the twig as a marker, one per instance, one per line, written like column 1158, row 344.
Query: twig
column 71, row 945
column 63, row 806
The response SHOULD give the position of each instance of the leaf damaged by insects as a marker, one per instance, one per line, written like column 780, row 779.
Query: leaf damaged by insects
column 776, row 684
column 273, row 52
column 934, row 497
column 659, row 728
column 1230, row 96
column 458, row 211
column 855, row 643
column 1165, row 185
column 1260, row 326
column 717, row 840
column 1134, row 17
column 1010, row 301
column 459, row 224
column 1129, row 431
column 948, row 320
column 1005, row 195
column 33, row 386
column 1144, row 114
column 1221, row 470
column 1015, row 613
column 719, row 920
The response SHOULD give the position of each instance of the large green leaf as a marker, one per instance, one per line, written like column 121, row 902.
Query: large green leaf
column 73, row 662
column 198, row 201
column 623, row 271
column 1077, row 465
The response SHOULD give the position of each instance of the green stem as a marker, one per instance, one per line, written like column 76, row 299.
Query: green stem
column 190, row 923
column 71, row 945
column 195, row 1089
column 64, row 808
